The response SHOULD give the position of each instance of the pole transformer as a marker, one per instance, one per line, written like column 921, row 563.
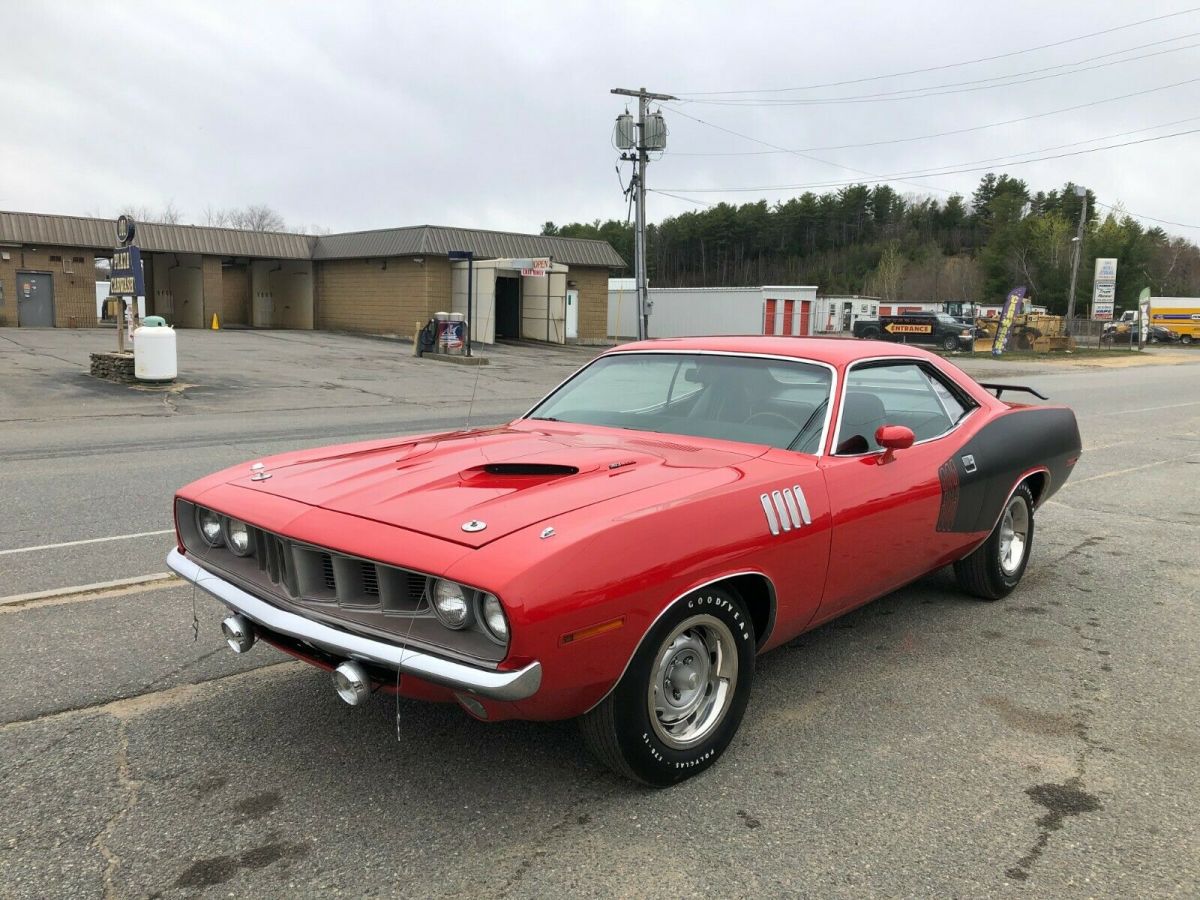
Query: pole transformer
column 640, row 159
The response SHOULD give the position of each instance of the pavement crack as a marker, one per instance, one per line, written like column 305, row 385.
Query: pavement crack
column 569, row 818
column 128, row 707
column 132, row 789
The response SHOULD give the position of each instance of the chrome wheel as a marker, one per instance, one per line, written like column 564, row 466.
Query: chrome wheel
column 1014, row 535
column 692, row 681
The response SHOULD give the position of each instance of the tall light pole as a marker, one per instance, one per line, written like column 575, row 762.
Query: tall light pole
column 1081, row 192
column 656, row 140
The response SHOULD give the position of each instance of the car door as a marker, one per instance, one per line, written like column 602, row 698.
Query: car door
column 886, row 505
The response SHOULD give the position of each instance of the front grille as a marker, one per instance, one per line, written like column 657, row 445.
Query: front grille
column 361, row 595
column 313, row 575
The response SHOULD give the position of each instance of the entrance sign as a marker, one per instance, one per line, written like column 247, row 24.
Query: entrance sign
column 1012, row 306
column 1104, row 290
column 895, row 327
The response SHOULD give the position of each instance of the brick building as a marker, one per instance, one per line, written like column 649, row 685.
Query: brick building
column 377, row 282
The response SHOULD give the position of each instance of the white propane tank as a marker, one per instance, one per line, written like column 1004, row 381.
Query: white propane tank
column 154, row 353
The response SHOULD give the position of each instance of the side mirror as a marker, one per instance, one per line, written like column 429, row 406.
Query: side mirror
column 892, row 438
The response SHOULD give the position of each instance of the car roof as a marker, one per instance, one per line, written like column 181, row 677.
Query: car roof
column 835, row 351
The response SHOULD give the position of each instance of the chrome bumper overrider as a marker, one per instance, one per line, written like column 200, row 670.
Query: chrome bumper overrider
column 496, row 685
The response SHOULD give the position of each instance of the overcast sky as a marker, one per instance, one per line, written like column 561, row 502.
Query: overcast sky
column 498, row 115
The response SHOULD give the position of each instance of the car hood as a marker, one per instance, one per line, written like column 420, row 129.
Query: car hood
column 505, row 479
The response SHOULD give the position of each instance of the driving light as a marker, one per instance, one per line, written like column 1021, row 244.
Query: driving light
column 494, row 620
column 209, row 524
column 237, row 536
column 351, row 683
column 450, row 604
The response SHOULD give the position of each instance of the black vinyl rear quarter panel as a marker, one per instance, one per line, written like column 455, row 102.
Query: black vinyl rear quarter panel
column 1003, row 450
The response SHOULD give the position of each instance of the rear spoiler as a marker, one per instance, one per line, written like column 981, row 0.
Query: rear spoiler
column 1001, row 388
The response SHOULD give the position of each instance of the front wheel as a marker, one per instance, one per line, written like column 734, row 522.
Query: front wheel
column 682, row 698
column 993, row 570
column 1186, row 339
column 949, row 342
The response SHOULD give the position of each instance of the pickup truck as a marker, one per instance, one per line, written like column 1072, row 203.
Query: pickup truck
column 938, row 329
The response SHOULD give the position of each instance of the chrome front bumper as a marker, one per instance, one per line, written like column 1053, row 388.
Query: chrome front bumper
column 490, row 683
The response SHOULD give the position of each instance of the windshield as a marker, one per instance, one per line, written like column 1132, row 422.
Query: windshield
column 778, row 403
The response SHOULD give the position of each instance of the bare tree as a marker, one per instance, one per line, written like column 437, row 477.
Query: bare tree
column 256, row 217
column 168, row 215
column 884, row 282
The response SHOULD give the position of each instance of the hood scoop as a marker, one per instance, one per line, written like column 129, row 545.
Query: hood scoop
column 514, row 475
column 527, row 468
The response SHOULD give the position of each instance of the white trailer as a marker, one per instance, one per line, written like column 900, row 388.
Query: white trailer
column 683, row 312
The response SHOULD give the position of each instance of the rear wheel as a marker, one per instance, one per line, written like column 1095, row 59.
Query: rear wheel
column 682, row 698
column 994, row 569
column 1186, row 339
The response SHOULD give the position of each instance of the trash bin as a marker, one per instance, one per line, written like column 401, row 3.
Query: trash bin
column 154, row 356
column 455, row 329
column 443, row 320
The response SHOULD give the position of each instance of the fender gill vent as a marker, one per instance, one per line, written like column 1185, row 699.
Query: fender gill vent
column 528, row 469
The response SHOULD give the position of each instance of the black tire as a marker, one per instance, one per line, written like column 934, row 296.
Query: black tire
column 982, row 573
column 949, row 342
column 871, row 334
column 1186, row 339
column 619, row 730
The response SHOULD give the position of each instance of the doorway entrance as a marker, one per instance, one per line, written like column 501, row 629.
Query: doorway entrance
column 508, row 308
column 35, row 300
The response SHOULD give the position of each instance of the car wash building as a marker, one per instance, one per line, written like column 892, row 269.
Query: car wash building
column 524, row 286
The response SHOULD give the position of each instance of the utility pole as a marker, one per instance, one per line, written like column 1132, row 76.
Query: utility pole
column 1080, row 192
column 640, row 159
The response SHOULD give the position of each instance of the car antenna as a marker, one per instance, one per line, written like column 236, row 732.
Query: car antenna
column 478, row 369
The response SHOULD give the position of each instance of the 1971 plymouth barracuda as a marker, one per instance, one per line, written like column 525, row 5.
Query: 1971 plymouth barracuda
column 623, row 551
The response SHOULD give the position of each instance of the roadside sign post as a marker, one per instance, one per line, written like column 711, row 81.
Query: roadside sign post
column 126, row 280
column 1104, row 289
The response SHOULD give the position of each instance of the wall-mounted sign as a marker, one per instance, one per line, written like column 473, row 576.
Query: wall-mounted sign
column 126, row 279
column 1104, row 289
column 532, row 268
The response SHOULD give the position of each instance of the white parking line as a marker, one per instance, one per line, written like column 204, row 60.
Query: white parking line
column 116, row 537
column 1161, row 462
column 158, row 578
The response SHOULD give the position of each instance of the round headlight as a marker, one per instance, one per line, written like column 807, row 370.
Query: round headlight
column 494, row 620
column 450, row 604
column 209, row 525
column 237, row 536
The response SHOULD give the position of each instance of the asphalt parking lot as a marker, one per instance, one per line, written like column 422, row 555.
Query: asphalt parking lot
column 925, row 745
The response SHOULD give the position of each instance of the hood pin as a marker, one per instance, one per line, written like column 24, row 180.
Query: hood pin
column 547, row 533
column 474, row 525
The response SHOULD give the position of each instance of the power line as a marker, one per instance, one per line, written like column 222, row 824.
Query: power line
column 1010, row 80
column 1118, row 209
column 1013, row 158
column 921, row 137
column 969, row 62
column 900, row 176
column 922, row 93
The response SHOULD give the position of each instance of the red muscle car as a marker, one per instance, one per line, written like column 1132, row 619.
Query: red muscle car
column 623, row 551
